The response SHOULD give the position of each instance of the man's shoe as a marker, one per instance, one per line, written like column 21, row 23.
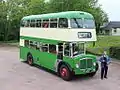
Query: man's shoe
column 105, row 77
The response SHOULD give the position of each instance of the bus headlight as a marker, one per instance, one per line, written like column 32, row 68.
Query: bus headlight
column 94, row 64
column 77, row 65
column 94, row 70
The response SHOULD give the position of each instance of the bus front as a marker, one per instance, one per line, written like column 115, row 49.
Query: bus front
column 83, row 31
column 83, row 63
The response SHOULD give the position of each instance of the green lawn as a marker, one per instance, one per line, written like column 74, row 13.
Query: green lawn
column 103, row 43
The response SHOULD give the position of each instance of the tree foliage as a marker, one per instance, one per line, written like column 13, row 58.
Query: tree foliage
column 90, row 6
column 11, row 12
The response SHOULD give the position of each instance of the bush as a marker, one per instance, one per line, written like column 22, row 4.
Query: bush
column 115, row 52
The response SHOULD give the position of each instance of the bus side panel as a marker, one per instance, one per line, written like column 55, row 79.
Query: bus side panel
column 23, row 53
column 69, row 61
column 44, row 59
column 47, row 60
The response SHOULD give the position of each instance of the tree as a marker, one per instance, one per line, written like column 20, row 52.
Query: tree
column 100, row 17
column 36, row 7
column 90, row 6
column 12, row 11
column 3, row 18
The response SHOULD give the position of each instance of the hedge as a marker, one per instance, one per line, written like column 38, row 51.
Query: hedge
column 115, row 52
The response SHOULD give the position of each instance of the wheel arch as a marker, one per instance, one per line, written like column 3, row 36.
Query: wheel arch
column 63, row 63
column 29, row 53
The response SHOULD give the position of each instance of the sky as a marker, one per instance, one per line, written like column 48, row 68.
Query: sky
column 112, row 8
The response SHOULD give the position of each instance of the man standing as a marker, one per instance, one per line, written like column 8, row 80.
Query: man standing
column 104, row 60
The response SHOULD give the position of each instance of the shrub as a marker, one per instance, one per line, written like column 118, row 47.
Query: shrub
column 114, row 52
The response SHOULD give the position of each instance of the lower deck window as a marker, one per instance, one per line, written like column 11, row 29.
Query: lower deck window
column 44, row 47
column 66, row 50
column 26, row 43
column 52, row 48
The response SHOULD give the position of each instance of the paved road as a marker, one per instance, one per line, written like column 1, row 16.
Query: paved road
column 15, row 75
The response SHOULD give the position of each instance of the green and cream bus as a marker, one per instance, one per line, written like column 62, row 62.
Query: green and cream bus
column 57, row 41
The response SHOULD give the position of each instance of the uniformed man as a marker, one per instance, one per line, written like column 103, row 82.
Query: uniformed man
column 104, row 60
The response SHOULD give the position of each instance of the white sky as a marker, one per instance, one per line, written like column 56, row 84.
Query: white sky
column 112, row 8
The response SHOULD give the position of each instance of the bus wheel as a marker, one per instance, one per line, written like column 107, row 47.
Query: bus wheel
column 65, row 73
column 92, row 74
column 97, row 66
column 30, row 59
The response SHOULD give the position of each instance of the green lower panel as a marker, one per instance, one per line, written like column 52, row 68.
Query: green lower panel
column 48, row 60
column 40, row 58
column 23, row 53
column 69, row 61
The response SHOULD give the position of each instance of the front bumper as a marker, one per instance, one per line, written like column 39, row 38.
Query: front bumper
column 84, row 71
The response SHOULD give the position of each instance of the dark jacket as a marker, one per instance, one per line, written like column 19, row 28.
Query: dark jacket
column 105, row 60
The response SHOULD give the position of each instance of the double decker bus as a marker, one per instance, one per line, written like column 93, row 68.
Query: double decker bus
column 57, row 41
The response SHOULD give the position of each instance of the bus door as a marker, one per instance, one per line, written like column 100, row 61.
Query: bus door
column 52, row 56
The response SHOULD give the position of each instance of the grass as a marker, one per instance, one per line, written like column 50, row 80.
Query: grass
column 103, row 43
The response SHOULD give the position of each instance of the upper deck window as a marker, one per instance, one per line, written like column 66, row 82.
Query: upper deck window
column 76, row 23
column 63, row 23
column 32, row 23
column 82, row 23
column 38, row 23
column 23, row 23
column 28, row 23
column 45, row 23
column 53, row 23
column 89, row 23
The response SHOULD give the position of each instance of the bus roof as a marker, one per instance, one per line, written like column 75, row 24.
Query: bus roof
column 67, row 14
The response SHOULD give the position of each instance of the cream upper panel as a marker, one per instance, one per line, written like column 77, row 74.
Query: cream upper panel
column 57, row 34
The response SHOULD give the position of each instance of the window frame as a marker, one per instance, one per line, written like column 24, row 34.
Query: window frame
column 43, row 46
column 54, row 21
column 64, row 53
column 45, row 23
column 61, row 26
column 33, row 23
column 38, row 23
column 28, row 43
column 55, row 49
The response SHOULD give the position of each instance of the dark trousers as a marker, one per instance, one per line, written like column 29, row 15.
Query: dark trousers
column 104, row 71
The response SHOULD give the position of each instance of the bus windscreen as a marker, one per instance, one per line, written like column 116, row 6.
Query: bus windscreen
column 82, row 23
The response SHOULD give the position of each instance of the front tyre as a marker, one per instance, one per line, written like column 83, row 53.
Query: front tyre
column 92, row 74
column 65, row 73
column 97, row 67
